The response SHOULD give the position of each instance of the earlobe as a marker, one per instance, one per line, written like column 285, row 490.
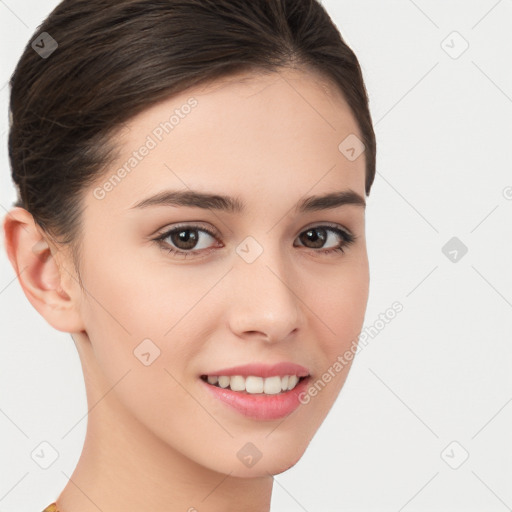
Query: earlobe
column 43, row 272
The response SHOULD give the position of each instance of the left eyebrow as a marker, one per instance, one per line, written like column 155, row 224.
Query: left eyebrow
column 329, row 201
column 207, row 201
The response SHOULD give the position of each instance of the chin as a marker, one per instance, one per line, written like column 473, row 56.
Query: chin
column 269, row 461
column 261, row 469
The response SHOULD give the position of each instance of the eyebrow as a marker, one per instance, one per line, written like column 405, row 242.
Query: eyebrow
column 207, row 201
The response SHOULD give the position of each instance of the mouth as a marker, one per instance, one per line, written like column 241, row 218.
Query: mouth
column 255, row 385
column 259, row 391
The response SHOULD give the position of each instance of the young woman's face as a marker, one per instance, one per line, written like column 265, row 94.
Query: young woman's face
column 261, row 285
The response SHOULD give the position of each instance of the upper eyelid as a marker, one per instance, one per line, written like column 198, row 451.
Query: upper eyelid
column 214, row 232
column 165, row 232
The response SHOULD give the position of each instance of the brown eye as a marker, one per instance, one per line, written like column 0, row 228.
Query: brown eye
column 185, row 240
column 316, row 238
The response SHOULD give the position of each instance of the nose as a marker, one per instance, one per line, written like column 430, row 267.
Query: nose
column 263, row 304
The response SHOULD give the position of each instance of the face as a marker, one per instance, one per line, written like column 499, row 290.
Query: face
column 179, row 288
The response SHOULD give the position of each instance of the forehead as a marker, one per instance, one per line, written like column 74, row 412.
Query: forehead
column 269, row 133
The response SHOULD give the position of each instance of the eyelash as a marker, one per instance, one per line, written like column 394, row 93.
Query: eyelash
column 348, row 239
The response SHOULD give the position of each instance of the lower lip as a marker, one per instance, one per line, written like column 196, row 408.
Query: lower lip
column 259, row 406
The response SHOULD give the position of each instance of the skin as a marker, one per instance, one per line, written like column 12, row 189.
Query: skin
column 155, row 439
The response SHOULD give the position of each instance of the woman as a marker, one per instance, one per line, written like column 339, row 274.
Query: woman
column 192, row 178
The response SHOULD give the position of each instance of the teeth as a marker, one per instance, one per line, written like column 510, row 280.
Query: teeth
column 272, row 385
column 224, row 382
column 212, row 379
column 292, row 381
column 237, row 383
column 252, row 384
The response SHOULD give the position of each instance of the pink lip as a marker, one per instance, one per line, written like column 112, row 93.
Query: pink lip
column 260, row 406
column 264, row 370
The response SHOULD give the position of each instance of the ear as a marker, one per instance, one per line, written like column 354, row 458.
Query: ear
column 46, row 275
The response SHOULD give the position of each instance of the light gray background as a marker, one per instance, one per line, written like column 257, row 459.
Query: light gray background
column 440, row 371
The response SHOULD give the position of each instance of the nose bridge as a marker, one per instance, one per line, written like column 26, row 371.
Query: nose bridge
column 264, row 300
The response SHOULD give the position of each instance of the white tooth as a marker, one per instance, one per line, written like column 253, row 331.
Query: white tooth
column 284, row 383
column 237, row 383
column 212, row 379
column 292, row 381
column 224, row 381
column 272, row 385
column 254, row 384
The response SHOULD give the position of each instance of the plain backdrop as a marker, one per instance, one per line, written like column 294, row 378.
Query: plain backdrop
column 423, row 422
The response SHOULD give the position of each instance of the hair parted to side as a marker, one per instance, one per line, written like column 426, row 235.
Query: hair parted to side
column 116, row 58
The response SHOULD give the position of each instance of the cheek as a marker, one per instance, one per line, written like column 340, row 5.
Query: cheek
column 340, row 304
column 345, row 308
column 341, row 310
column 339, row 298
column 134, row 308
column 127, row 315
column 126, row 295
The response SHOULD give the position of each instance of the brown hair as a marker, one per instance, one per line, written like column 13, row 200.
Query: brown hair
column 116, row 58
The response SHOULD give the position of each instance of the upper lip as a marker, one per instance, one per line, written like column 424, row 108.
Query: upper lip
column 264, row 370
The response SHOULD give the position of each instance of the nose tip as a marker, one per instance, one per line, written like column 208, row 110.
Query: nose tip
column 264, row 306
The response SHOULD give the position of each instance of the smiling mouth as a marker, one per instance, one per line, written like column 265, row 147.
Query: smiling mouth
column 253, row 384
